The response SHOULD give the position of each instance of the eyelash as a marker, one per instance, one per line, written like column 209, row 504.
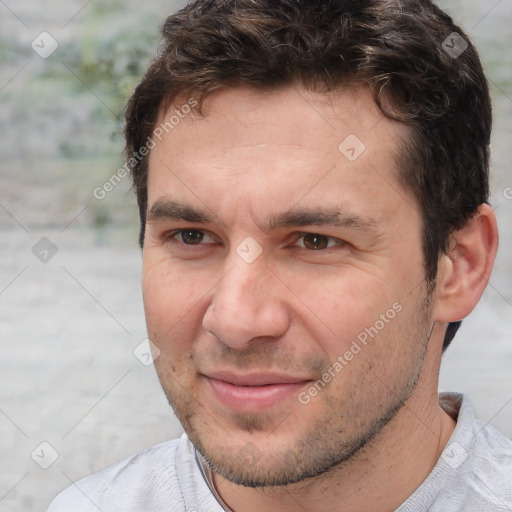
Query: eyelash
column 170, row 237
column 337, row 242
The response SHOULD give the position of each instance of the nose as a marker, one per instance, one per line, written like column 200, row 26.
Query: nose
column 248, row 303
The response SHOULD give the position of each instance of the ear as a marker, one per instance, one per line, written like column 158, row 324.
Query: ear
column 463, row 273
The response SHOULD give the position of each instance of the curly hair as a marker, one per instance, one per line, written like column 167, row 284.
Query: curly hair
column 400, row 49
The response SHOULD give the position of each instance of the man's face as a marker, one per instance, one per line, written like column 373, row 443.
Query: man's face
column 283, row 279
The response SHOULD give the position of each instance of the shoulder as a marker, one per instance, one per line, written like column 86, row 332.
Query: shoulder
column 485, row 458
column 478, row 462
column 479, row 471
column 474, row 471
column 487, row 471
column 146, row 481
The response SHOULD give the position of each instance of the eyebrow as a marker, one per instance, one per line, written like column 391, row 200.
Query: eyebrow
column 177, row 211
column 322, row 217
column 173, row 210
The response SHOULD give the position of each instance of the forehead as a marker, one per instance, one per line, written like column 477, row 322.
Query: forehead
column 284, row 146
column 351, row 109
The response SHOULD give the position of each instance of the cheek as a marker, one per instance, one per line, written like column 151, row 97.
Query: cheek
column 172, row 300
column 343, row 305
column 173, row 321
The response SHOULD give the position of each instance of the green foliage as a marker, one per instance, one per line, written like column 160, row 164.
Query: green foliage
column 109, row 56
column 114, row 51
column 80, row 91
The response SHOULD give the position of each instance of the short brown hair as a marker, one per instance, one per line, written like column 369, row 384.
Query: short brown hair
column 398, row 48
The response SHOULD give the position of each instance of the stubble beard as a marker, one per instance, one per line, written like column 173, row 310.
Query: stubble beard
column 319, row 451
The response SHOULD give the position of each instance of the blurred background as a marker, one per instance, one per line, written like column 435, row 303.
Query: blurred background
column 77, row 391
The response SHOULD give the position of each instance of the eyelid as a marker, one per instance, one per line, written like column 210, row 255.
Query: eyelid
column 170, row 236
column 338, row 241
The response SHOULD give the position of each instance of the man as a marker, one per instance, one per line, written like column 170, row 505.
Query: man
column 312, row 180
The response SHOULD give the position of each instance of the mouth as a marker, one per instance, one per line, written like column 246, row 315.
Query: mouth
column 253, row 392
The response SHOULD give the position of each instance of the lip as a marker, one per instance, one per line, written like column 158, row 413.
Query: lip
column 253, row 392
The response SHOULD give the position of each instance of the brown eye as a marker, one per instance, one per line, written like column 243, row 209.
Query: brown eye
column 190, row 236
column 315, row 242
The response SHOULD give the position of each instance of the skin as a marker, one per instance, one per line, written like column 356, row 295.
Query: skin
column 372, row 434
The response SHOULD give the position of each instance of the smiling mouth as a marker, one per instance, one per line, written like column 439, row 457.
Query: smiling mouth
column 253, row 393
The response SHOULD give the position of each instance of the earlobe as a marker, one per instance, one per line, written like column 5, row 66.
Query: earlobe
column 464, row 271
